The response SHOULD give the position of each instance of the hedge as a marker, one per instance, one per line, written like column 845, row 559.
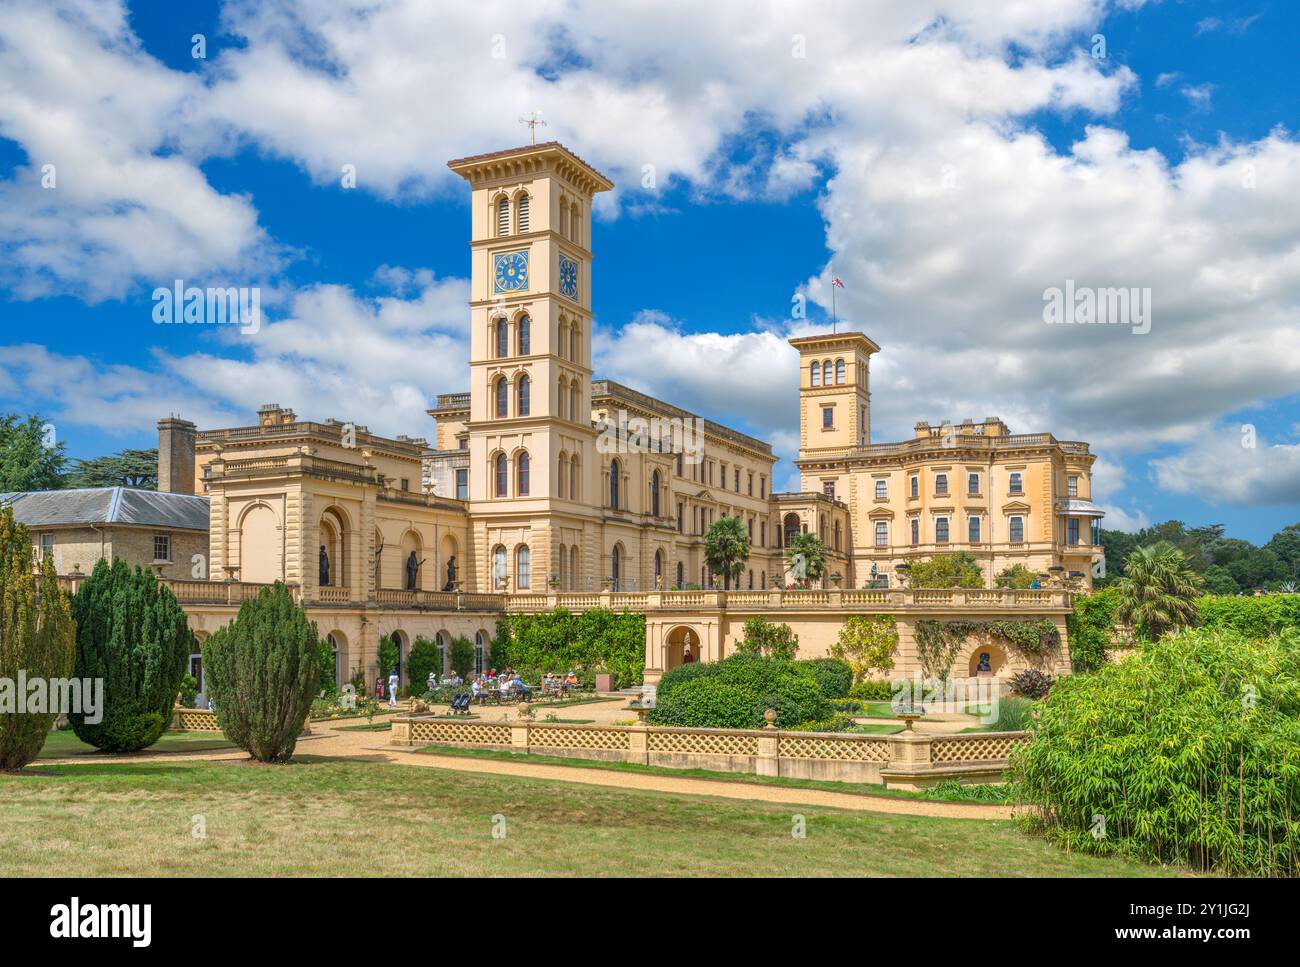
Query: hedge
column 735, row 692
column 561, row 641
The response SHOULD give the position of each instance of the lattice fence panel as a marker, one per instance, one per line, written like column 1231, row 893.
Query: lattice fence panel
column 459, row 733
column 973, row 748
column 541, row 737
column 197, row 720
column 811, row 746
column 702, row 743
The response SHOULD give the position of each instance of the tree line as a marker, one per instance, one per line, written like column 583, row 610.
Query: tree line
column 1227, row 565
column 31, row 459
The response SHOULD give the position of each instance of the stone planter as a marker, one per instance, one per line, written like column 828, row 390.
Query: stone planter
column 604, row 683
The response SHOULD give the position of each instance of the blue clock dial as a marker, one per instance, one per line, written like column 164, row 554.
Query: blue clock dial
column 568, row 278
column 510, row 272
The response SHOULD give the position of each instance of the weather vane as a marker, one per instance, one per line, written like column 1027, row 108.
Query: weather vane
column 532, row 121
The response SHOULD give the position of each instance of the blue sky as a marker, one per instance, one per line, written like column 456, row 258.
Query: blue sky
column 766, row 186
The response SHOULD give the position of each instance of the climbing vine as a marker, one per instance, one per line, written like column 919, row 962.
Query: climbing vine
column 939, row 642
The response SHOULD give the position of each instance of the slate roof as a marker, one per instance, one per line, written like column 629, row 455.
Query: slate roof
column 108, row 505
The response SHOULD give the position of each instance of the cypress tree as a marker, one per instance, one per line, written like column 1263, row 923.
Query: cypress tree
column 36, row 636
column 133, row 635
column 262, row 673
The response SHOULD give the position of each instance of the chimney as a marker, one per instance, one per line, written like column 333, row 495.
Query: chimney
column 175, row 456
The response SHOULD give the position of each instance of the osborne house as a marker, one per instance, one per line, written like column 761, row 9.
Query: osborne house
column 542, row 487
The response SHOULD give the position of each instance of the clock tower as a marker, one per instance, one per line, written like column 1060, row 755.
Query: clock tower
column 533, row 458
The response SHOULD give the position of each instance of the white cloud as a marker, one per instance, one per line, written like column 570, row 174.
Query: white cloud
column 1221, row 469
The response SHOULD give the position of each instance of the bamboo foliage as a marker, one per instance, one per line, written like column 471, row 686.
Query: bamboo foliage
column 1186, row 753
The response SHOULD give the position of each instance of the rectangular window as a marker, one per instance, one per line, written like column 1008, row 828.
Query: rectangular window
column 1096, row 532
column 162, row 547
column 762, row 533
column 762, row 487
column 916, row 531
column 1017, row 484
column 679, row 519
column 1017, row 530
column 464, row 443
column 737, row 488
column 973, row 484
column 47, row 547
column 915, row 486
column 941, row 530
column 973, row 530
column 1072, row 531
column 1072, row 486
column 941, row 484
column 828, row 488
column 751, row 485
column 882, row 534
column 462, row 485
column 406, row 483
column 828, row 417
column 882, row 489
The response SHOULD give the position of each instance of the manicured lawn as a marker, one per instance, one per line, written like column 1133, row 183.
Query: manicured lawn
column 876, row 728
column 319, row 817
column 947, row 792
column 62, row 744
column 372, row 727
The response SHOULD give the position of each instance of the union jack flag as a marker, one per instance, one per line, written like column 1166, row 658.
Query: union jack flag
column 835, row 281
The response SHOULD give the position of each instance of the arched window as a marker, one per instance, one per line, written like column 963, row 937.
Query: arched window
column 614, row 470
column 839, row 371
column 826, row 373
column 525, row 336
column 575, row 219
column 659, row 568
column 575, row 492
column 502, row 392
column 523, row 214
column 523, row 400
column 563, row 397
column 575, row 403
column 563, row 479
column 523, row 568
column 615, row 566
column 503, row 217
column 815, row 372
column 521, row 464
column 837, row 535
column 563, row 342
column 681, row 575
column 502, row 474
column 564, row 217
column 654, row 494
column 502, row 338
column 499, row 572
column 563, row 557
column 573, row 566
column 575, row 334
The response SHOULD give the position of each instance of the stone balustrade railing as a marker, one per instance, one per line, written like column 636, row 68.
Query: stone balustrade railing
column 906, row 760
column 881, row 600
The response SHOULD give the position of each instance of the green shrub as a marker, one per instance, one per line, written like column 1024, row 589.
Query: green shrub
column 867, row 642
column 1190, row 750
column 837, row 722
column 762, row 637
column 727, row 693
column 1016, row 576
column 462, row 658
column 262, row 670
column 1031, row 683
column 424, row 658
column 833, row 675
column 389, row 656
column 786, row 708
column 1014, row 715
column 327, row 680
column 560, row 641
column 189, row 691
column 676, row 677
column 957, row 570
column 133, row 636
column 872, row 690
column 849, row 706
column 1251, row 616
column 1091, row 629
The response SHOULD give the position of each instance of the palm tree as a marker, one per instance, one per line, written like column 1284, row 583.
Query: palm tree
column 1160, row 591
column 806, row 552
column 726, row 549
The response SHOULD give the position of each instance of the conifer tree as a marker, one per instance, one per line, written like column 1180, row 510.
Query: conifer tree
column 133, row 636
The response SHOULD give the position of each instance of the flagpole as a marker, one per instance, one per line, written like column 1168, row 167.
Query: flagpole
column 834, row 315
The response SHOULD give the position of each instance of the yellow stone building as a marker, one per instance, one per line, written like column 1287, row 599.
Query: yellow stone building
column 542, row 481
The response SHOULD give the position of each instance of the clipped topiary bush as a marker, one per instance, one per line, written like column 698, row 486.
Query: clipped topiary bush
column 133, row 635
column 727, row 693
column 1187, row 752
column 424, row 658
column 262, row 673
column 872, row 690
column 833, row 675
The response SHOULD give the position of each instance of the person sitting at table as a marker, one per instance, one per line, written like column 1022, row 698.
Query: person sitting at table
column 570, row 682
column 519, row 688
column 476, row 689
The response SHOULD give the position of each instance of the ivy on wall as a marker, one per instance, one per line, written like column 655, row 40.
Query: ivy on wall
column 939, row 642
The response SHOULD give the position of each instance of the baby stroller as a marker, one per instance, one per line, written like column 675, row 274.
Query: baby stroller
column 460, row 704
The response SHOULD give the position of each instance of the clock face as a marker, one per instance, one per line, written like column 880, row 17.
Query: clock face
column 510, row 272
column 568, row 278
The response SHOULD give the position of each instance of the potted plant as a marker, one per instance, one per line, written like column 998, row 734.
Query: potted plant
column 836, row 578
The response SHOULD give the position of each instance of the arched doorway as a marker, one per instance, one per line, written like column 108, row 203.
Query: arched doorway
column 338, row 643
column 400, row 639
column 480, row 652
column 681, row 647
column 332, row 562
column 790, row 527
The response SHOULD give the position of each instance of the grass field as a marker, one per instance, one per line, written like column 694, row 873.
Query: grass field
column 59, row 745
column 328, row 817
